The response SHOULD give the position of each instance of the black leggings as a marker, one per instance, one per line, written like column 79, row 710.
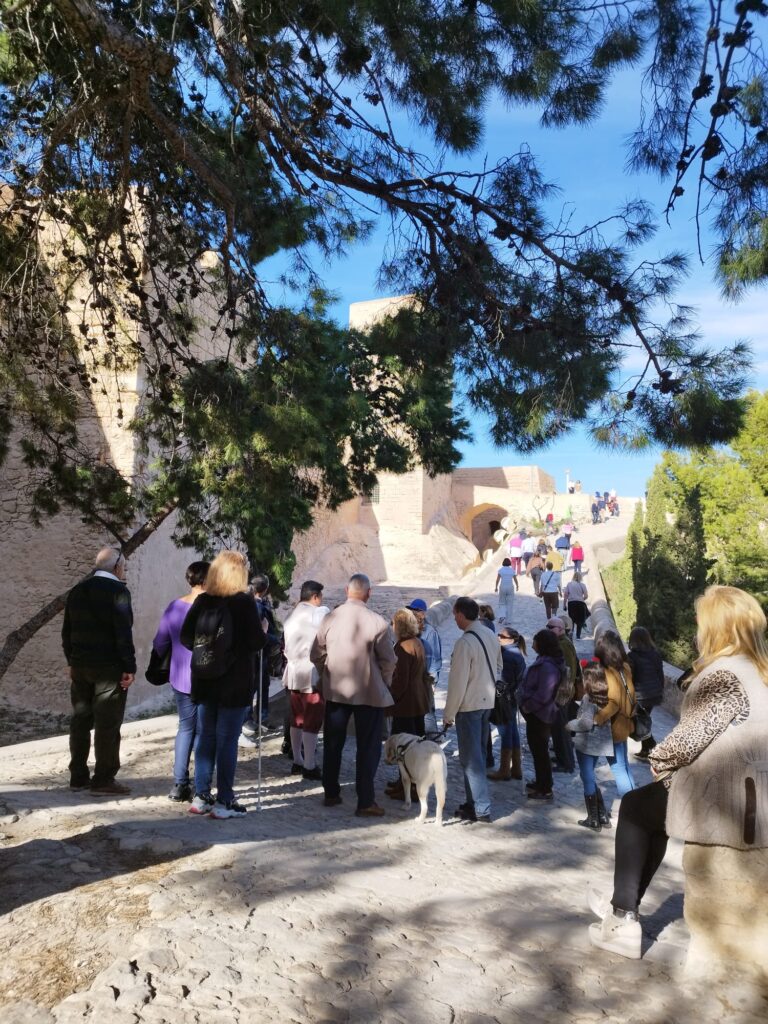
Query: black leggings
column 641, row 842
column 538, row 733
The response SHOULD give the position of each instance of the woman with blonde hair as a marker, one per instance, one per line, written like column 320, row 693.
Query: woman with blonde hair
column 708, row 789
column 223, row 631
column 410, row 683
column 411, row 686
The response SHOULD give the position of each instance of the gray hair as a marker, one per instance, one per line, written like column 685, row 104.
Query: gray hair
column 108, row 559
column 359, row 583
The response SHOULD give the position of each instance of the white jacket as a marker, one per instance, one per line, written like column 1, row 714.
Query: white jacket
column 299, row 632
column 471, row 687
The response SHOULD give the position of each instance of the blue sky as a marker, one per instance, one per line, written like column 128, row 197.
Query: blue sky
column 588, row 163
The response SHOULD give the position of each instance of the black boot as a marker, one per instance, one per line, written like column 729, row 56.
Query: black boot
column 603, row 813
column 592, row 819
column 646, row 747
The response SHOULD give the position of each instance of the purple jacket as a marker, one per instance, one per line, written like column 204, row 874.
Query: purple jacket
column 168, row 636
column 536, row 693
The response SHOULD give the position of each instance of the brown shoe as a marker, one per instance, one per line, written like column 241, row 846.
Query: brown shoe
column 395, row 792
column 332, row 801
column 374, row 811
column 110, row 789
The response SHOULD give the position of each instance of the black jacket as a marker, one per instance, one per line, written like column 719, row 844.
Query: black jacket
column 236, row 688
column 98, row 627
column 513, row 669
column 648, row 676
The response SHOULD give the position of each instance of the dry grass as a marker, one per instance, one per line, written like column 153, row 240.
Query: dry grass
column 56, row 946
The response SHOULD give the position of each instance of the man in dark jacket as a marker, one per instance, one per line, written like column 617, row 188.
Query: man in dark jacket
column 98, row 645
column 562, row 742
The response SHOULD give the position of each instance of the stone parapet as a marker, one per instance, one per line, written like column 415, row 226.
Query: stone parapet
column 441, row 610
column 726, row 910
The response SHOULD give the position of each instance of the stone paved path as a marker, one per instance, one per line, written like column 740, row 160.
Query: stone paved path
column 130, row 911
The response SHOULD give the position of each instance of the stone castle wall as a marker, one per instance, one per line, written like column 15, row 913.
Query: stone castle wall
column 413, row 531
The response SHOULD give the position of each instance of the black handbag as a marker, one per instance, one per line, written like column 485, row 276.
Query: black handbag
column 159, row 668
column 503, row 709
column 640, row 718
column 642, row 723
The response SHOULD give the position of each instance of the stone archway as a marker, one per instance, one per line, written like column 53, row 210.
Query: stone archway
column 480, row 522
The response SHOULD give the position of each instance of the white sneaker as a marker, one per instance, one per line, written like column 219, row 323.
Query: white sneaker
column 201, row 804
column 598, row 902
column 622, row 935
column 247, row 740
column 231, row 810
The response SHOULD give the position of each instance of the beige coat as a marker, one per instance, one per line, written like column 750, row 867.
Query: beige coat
column 299, row 631
column 471, row 686
column 355, row 656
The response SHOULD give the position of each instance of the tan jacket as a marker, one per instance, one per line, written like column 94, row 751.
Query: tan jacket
column 619, row 707
column 471, row 687
column 355, row 656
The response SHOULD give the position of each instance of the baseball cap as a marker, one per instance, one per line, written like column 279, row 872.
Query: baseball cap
column 417, row 605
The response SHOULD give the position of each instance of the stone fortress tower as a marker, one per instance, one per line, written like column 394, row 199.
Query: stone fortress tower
column 420, row 530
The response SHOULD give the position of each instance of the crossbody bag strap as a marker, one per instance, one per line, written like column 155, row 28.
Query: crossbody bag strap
column 632, row 701
column 485, row 652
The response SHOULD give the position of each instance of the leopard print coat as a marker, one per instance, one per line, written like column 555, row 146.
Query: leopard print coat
column 720, row 700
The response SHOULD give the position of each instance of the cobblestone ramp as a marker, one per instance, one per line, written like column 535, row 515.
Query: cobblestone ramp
column 131, row 911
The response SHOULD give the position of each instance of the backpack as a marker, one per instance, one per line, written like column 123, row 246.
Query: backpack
column 274, row 654
column 274, row 649
column 565, row 688
column 212, row 654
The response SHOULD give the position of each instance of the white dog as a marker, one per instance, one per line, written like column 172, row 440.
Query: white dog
column 422, row 762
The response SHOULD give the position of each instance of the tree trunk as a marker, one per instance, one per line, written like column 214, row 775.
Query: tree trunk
column 16, row 640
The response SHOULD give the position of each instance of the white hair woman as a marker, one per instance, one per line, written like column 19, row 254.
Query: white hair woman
column 709, row 789
column 411, row 686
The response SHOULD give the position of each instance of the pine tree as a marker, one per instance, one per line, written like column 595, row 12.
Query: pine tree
column 138, row 138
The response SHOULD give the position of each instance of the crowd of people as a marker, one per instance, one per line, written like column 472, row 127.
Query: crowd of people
column 350, row 662
column 604, row 506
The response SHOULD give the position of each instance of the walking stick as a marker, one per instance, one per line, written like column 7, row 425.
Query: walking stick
column 258, row 728
column 519, row 723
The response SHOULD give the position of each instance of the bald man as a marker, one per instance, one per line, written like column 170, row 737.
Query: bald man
column 97, row 637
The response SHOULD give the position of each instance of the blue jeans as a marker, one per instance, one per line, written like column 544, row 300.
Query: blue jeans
column 506, row 602
column 185, row 737
column 509, row 734
column 619, row 767
column 217, row 745
column 472, row 730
